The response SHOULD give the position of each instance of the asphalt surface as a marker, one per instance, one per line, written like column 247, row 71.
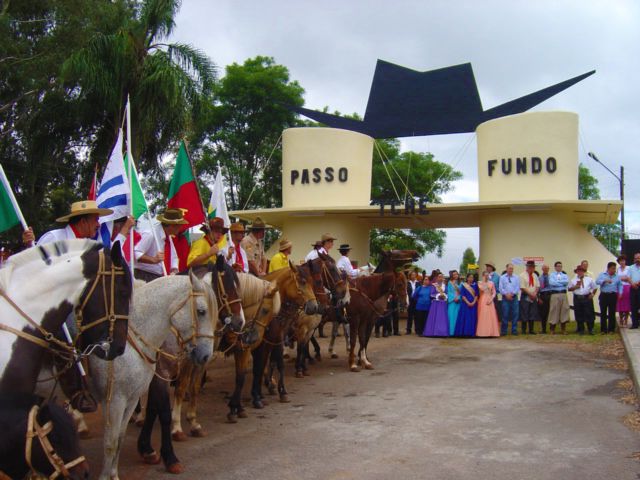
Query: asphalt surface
column 431, row 409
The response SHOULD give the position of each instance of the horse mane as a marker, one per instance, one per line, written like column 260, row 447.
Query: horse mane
column 47, row 254
column 252, row 288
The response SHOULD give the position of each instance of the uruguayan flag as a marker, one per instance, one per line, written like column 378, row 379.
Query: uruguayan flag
column 114, row 192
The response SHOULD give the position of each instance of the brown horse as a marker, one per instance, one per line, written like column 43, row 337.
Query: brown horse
column 295, row 285
column 368, row 301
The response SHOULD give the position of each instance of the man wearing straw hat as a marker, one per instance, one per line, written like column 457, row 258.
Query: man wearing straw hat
column 281, row 259
column 149, row 256
column 82, row 222
column 253, row 244
column 206, row 249
column 326, row 242
column 235, row 254
column 344, row 263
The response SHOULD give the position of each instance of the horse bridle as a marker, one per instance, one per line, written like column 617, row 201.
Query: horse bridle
column 34, row 429
column 195, row 333
column 109, row 305
column 223, row 298
column 331, row 282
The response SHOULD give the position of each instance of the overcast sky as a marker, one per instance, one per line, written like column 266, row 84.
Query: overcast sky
column 515, row 47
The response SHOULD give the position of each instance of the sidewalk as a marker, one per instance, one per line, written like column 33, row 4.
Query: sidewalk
column 631, row 339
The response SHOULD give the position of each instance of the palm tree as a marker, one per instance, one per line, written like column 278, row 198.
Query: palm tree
column 169, row 84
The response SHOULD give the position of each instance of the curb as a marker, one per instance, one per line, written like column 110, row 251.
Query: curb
column 633, row 356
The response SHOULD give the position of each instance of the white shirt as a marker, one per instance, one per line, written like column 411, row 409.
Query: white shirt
column 624, row 272
column 589, row 285
column 232, row 260
column 313, row 254
column 344, row 264
column 65, row 233
column 147, row 246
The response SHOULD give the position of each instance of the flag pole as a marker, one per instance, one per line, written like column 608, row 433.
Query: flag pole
column 14, row 202
column 132, row 257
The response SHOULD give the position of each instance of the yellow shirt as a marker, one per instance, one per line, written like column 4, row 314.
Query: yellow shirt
column 278, row 261
column 200, row 246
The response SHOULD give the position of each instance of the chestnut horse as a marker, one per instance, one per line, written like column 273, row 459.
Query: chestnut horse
column 368, row 302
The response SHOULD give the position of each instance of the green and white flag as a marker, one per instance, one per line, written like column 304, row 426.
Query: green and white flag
column 10, row 214
column 137, row 197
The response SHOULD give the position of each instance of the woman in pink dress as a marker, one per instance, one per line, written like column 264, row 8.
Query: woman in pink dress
column 487, row 315
column 624, row 300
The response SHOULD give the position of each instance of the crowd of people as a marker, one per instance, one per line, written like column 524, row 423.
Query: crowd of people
column 489, row 305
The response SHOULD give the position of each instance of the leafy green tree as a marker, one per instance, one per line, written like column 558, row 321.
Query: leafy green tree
column 244, row 128
column 397, row 176
column 468, row 258
column 607, row 234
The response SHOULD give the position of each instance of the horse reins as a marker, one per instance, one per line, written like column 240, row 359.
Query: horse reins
column 41, row 432
column 223, row 297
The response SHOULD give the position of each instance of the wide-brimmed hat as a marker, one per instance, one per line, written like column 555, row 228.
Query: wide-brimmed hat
column 344, row 247
column 327, row 237
column 490, row 263
column 85, row 207
column 284, row 244
column 172, row 216
column 530, row 263
column 237, row 227
column 258, row 224
column 317, row 244
column 217, row 223
column 579, row 267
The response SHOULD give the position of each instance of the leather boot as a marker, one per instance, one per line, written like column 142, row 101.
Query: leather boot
column 552, row 328
column 563, row 328
column 531, row 332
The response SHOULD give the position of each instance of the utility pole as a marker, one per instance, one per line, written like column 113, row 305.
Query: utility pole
column 621, row 181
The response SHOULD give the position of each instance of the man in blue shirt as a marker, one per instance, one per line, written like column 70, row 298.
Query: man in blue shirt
column 509, row 289
column 634, row 279
column 558, row 304
column 544, row 297
column 610, row 288
column 495, row 279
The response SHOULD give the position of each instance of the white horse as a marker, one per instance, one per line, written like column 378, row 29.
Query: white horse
column 40, row 287
column 183, row 303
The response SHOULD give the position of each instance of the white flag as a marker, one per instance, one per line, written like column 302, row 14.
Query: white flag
column 217, row 204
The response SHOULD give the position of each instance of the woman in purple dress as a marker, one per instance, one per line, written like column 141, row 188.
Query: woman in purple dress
column 438, row 320
column 468, row 314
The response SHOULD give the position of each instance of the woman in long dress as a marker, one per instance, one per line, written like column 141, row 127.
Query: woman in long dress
column 624, row 301
column 453, row 299
column 468, row 314
column 487, row 316
column 438, row 320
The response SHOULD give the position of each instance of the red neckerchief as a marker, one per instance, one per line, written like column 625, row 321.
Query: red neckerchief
column 239, row 259
column 75, row 232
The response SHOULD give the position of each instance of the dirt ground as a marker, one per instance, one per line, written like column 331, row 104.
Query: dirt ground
column 454, row 408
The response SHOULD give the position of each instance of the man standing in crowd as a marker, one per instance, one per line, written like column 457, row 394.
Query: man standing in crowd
column 411, row 309
column 344, row 263
column 610, row 288
column 495, row 278
column 253, row 244
column 205, row 249
column 149, row 256
column 234, row 253
column 634, row 279
column 281, row 259
column 529, row 286
column 509, row 289
column 558, row 304
column 82, row 222
column 544, row 296
column 583, row 289
column 585, row 265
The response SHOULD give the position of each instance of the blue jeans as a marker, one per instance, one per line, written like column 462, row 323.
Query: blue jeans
column 510, row 310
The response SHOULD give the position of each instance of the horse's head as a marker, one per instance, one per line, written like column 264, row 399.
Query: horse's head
column 63, row 437
column 314, row 269
column 226, row 285
column 196, row 320
column 333, row 280
column 299, row 287
column 103, row 308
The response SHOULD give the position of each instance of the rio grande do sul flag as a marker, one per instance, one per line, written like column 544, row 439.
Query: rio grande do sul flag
column 8, row 215
column 183, row 191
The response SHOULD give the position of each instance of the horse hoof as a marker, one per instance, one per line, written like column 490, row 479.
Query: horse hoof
column 368, row 366
column 197, row 432
column 334, row 355
column 299, row 375
column 318, row 357
column 284, row 398
column 242, row 414
column 151, row 458
column 175, row 468
column 179, row 436
column 258, row 404
column 355, row 368
column 232, row 418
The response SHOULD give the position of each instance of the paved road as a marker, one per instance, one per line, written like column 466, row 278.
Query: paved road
column 454, row 409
